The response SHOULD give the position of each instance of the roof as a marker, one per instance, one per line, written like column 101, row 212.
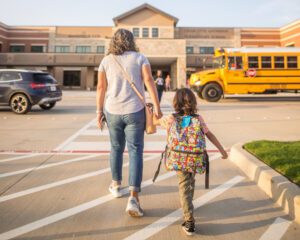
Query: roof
column 144, row 6
column 263, row 50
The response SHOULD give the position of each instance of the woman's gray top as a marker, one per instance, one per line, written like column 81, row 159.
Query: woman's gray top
column 120, row 97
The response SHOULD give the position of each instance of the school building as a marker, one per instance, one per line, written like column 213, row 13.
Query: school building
column 72, row 54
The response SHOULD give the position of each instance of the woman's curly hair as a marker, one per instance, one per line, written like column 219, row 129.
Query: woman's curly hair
column 185, row 102
column 122, row 41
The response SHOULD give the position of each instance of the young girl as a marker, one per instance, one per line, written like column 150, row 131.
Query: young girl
column 185, row 120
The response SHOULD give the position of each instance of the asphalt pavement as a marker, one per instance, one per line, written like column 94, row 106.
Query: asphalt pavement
column 54, row 175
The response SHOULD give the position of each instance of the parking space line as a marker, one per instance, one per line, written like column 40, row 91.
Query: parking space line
column 65, row 181
column 276, row 230
column 49, row 165
column 166, row 221
column 73, row 211
column 19, row 157
column 75, row 135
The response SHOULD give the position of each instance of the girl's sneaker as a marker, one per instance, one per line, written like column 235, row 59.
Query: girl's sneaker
column 189, row 228
column 115, row 190
column 133, row 208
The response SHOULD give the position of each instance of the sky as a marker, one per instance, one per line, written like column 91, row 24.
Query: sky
column 191, row 13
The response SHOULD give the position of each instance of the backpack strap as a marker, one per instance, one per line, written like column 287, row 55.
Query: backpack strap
column 163, row 155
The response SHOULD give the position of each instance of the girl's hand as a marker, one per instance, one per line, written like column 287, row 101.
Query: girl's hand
column 158, row 113
column 224, row 155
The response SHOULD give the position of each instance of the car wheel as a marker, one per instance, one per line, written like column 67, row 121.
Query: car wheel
column 212, row 92
column 20, row 104
column 47, row 106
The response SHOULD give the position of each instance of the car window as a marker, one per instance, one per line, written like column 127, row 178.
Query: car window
column 43, row 78
column 10, row 76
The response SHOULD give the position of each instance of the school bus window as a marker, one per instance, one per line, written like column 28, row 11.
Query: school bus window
column 219, row 62
column 292, row 62
column 235, row 63
column 252, row 62
column 279, row 62
column 239, row 62
column 266, row 62
column 231, row 63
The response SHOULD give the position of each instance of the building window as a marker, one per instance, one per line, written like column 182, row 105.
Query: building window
column 292, row 62
column 207, row 50
column 189, row 50
column 37, row 49
column 145, row 32
column 279, row 62
column 266, row 62
column 62, row 49
column 100, row 49
column 83, row 49
column 17, row 48
column 72, row 78
column 252, row 62
column 136, row 32
column 155, row 32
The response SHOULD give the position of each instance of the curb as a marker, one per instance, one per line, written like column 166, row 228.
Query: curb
column 283, row 192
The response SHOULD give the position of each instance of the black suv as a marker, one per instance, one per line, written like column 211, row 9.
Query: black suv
column 21, row 89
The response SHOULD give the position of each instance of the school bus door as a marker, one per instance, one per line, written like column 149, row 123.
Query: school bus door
column 234, row 75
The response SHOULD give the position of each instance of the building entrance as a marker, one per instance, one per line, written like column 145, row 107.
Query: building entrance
column 72, row 79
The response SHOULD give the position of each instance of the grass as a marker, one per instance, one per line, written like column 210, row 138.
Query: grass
column 284, row 157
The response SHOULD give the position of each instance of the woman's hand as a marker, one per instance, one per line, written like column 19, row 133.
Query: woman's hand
column 100, row 120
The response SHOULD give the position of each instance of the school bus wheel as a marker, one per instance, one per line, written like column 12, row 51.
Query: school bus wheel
column 199, row 94
column 212, row 92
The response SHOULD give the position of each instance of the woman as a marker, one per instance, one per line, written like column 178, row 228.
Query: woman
column 159, row 81
column 124, row 111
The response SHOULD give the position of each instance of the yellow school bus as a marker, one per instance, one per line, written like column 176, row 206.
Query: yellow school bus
column 249, row 70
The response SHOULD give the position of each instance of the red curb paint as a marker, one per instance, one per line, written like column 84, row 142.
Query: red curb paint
column 84, row 151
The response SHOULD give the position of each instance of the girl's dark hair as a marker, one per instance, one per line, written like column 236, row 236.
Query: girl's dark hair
column 122, row 41
column 185, row 102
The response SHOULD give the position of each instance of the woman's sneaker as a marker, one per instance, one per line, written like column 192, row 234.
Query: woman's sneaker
column 133, row 208
column 115, row 190
column 189, row 228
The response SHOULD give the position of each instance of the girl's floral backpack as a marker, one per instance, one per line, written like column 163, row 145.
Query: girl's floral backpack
column 186, row 145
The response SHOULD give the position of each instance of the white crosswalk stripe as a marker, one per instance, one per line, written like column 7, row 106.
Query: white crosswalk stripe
column 97, row 132
column 276, row 230
column 90, row 131
column 105, row 146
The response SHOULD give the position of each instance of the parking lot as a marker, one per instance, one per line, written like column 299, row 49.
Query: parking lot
column 54, row 175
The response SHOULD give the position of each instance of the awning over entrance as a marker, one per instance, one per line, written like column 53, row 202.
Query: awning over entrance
column 162, row 61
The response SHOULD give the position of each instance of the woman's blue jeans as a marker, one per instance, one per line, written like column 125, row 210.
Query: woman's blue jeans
column 128, row 128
